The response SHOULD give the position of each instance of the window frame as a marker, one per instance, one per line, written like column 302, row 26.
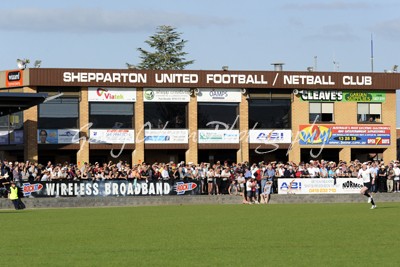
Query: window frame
column 320, row 114
column 369, row 115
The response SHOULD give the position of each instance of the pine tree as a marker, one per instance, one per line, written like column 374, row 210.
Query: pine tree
column 168, row 51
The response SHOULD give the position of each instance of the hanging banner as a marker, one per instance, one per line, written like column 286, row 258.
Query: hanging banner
column 15, row 137
column 320, row 186
column 219, row 95
column 100, row 94
column 341, row 96
column 344, row 135
column 218, row 137
column 166, row 136
column 58, row 136
column 111, row 188
column 112, row 136
column 166, row 95
column 270, row 136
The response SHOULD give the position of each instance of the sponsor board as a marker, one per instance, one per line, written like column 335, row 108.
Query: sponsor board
column 166, row 95
column 219, row 95
column 319, row 186
column 100, row 94
column 344, row 135
column 341, row 96
column 218, row 136
column 270, row 136
column 166, row 136
column 110, row 188
column 58, row 136
column 112, row 136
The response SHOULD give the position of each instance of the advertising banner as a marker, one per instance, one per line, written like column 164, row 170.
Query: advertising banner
column 100, row 94
column 15, row 137
column 270, row 136
column 218, row 136
column 320, row 186
column 346, row 135
column 110, row 188
column 219, row 95
column 166, row 136
column 112, row 136
column 166, row 95
column 341, row 96
column 58, row 136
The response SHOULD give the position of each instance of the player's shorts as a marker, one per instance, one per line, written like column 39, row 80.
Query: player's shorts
column 368, row 185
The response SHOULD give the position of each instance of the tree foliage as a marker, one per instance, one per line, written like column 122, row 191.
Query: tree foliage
column 168, row 51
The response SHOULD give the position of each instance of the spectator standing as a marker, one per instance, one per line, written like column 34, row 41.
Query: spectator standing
column 382, row 177
column 396, row 179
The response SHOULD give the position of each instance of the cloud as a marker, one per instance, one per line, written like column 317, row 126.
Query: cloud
column 338, row 5
column 390, row 29
column 334, row 32
column 86, row 20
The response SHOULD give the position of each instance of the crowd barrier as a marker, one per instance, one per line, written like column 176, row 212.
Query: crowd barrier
column 191, row 187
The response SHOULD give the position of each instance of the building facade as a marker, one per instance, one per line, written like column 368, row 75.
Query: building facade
column 200, row 116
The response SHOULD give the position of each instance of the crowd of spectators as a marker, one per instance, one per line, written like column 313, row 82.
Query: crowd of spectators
column 218, row 178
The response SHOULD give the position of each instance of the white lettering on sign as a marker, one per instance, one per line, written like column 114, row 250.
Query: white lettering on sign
column 308, row 80
column 357, row 80
column 235, row 79
column 322, row 95
column 87, row 77
column 176, row 78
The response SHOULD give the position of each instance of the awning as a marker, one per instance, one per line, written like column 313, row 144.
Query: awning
column 14, row 102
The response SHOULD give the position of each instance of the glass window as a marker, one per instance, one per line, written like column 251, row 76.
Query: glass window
column 321, row 112
column 13, row 121
column 369, row 112
column 269, row 113
column 111, row 115
column 218, row 115
column 60, row 113
column 166, row 115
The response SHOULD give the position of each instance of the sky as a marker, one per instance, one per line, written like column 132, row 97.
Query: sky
column 244, row 35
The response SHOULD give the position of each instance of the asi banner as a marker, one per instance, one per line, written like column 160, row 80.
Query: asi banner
column 110, row 188
column 15, row 137
column 58, row 136
column 112, row 136
column 344, row 135
column 320, row 186
column 100, row 94
column 270, row 136
column 218, row 136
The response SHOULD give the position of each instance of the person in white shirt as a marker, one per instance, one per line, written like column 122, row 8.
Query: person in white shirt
column 365, row 174
column 396, row 179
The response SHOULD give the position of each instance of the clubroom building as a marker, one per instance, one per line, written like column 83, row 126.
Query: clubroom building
column 200, row 116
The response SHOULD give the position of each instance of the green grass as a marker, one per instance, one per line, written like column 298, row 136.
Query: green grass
column 208, row 235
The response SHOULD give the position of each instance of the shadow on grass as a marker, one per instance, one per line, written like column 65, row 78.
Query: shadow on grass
column 14, row 211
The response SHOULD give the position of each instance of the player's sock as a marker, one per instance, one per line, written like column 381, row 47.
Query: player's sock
column 372, row 202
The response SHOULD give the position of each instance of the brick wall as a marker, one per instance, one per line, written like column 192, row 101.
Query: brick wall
column 83, row 152
column 30, row 130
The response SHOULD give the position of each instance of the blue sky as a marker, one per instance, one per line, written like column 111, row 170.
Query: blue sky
column 245, row 35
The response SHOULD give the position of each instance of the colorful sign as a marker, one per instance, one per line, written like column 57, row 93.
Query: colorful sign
column 58, row 136
column 270, row 136
column 111, row 94
column 344, row 135
column 341, row 96
column 218, row 136
column 166, row 95
column 219, row 95
column 14, row 78
column 182, row 187
column 320, row 186
column 166, row 136
column 112, row 136
column 28, row 188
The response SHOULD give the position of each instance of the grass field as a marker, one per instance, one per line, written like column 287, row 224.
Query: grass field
column 208, row 235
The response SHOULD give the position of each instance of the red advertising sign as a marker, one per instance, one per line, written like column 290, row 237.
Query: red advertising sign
column 14, row 78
